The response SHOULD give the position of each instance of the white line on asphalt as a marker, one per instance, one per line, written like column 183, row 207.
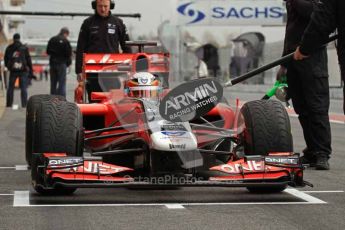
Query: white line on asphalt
column 21, row 199
column 158, row 204
column 6, row 194
column 174, row 206
column 323, row 191
column 17, row 167
column 15, row 107
column 310, row 199
column 21, row 167
column 7, row 167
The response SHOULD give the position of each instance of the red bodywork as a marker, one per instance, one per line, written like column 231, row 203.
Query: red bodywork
column 96, row 63
column 236, row 172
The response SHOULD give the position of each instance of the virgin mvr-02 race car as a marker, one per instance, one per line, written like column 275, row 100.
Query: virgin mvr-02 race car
column 122, row 140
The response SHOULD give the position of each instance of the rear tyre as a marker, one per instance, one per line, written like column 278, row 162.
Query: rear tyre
column 58, row 129
column 267, row 130
column 32, row 106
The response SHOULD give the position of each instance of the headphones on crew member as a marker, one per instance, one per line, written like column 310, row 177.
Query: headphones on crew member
column 94, row 4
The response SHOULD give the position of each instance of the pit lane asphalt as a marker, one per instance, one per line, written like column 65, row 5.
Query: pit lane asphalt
column 204, row 208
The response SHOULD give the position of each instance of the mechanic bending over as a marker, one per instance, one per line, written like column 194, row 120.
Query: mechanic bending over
column 308, row 86
column 100, row 33
column 329, row 16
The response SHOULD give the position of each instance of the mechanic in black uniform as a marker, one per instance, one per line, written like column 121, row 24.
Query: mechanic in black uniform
column 100, row 33
column 308, row 86
column 330, row 15
column 60, row 52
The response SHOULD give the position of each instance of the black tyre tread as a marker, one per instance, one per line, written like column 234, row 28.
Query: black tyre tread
column 58, row 128
column 32, row 106
column 267, row 128
column 268, row 189
column 283, row 141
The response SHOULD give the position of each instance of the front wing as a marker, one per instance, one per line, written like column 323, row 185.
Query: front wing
column 58, row 169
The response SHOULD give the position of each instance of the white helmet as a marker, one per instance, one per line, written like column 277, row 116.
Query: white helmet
column 143, row 85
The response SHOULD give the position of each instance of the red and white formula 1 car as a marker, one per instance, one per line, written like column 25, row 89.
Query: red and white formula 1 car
column 121, row 140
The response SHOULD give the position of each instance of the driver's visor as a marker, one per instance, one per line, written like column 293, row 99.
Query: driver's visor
column 144, row 91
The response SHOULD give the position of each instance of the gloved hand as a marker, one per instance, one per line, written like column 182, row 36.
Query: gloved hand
column 32, row 76
column 298, row 56
column 80, row 77
column 281, row 73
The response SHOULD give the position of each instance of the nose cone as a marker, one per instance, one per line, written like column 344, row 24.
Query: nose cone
column 174, row 141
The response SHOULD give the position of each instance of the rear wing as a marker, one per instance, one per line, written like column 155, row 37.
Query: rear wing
column 105, row 63
column 114, row 65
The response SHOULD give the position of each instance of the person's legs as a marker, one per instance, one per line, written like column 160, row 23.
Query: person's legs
column 61, row 79
column 295, row 91
column 10, row 89
column 46, row 74
column 53, row 79
column 23, row 80
column 320, row 125
column 343, row 80
column 314, row 81
column 342, row 73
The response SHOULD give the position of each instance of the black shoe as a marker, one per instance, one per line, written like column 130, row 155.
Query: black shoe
column 306, row 151
column 308, row 160
column 322, row 163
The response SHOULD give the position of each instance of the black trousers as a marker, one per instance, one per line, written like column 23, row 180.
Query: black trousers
column 58, row 74
column 23, row 83
column 342, row 68
column 309, row 91
column 344, row 96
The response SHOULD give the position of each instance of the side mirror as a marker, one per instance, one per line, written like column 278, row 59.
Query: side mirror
column 124, row 68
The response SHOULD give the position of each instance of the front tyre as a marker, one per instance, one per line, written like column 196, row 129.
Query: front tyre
column 32, row 106
column 58, row 129
column 267, row 130
column 268, row 189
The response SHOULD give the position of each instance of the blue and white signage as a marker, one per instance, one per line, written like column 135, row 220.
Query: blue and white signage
column 230, row 12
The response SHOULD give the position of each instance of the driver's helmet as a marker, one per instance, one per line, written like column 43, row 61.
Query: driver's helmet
column 143, row 85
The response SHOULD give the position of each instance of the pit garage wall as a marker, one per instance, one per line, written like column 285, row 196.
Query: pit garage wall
column 178, row 32
column 215, row 22
column 11, row 23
